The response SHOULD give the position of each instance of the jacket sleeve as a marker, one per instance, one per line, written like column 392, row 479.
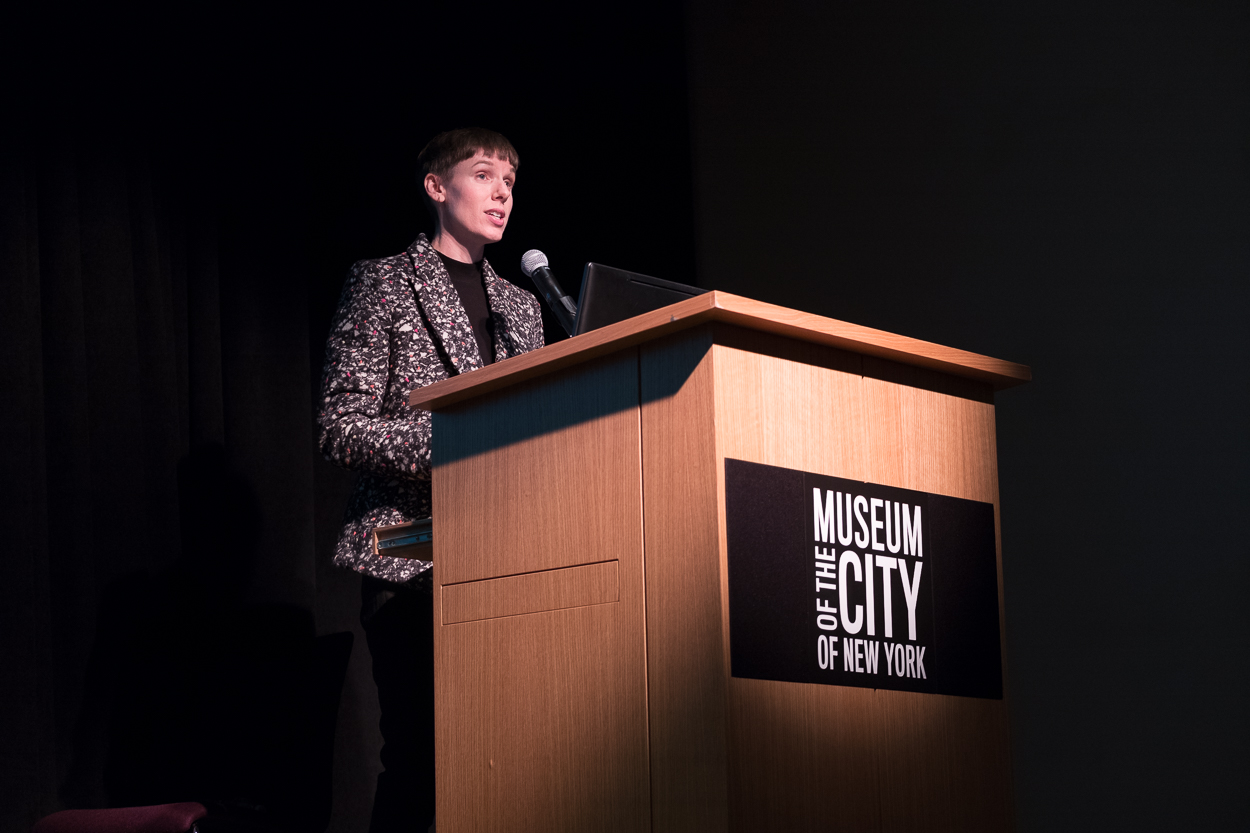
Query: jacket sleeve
column 354, row 432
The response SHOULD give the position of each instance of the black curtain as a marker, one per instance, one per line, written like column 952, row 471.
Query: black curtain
column 159, row 464
column 182, row 194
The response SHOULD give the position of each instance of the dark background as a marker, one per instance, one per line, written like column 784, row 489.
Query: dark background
column 1059, row 184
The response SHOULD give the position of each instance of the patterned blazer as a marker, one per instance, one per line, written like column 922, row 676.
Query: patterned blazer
column 400, row 325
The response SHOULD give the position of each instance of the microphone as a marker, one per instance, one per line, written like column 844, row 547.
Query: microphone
column 534, row 265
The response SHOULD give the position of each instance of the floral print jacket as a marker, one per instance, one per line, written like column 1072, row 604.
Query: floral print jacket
column 400, row 325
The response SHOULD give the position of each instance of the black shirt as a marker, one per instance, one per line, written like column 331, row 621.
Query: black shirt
column 467, row 278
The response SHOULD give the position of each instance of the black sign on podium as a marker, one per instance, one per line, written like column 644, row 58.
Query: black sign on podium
column 842, row 582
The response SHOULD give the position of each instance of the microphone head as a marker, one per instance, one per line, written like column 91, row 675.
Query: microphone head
column 531, row 260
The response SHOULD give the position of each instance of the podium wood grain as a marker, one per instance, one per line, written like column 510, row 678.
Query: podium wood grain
column 686, row 649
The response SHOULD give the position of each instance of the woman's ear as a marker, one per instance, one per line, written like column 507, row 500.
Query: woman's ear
column 434, row 188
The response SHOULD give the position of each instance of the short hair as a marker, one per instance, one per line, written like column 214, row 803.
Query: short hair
column 451, row 147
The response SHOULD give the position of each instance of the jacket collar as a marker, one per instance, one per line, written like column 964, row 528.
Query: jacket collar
column 449, row 323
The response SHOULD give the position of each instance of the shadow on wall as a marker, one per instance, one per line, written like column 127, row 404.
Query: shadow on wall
column 193, row 693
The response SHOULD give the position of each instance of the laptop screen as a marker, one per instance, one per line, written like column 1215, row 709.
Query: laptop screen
column 610, row 295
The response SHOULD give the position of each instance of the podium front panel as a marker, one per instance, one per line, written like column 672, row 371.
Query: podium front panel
column 540, row 658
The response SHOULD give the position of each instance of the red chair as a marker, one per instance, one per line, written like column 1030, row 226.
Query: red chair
column 161, row 818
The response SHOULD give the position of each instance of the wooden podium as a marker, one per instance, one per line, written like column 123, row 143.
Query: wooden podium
column 582, row 643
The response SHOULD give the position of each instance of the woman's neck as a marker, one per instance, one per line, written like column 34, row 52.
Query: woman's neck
column 446, row 244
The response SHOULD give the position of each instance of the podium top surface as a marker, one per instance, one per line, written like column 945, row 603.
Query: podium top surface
column 730, row 309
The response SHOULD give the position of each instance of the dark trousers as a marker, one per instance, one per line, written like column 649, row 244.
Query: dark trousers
column 399, row 627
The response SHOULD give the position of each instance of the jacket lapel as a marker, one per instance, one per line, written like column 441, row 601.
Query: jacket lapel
column 449, row 323
column 503, row 315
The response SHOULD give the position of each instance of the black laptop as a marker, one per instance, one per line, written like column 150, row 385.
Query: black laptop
column 610, row 295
